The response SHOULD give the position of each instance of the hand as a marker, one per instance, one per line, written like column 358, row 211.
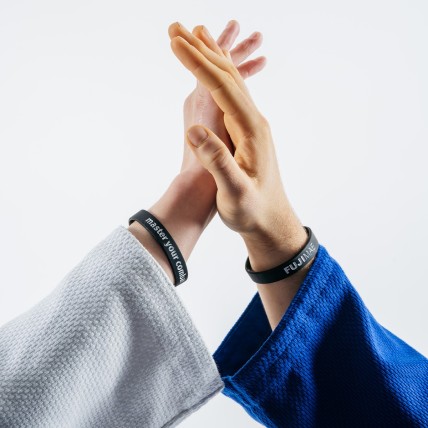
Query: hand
column 199, row 106
column 188, row 205
column 251, row 199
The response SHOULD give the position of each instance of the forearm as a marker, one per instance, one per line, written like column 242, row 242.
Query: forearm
column 185, row 209
column 268, row 249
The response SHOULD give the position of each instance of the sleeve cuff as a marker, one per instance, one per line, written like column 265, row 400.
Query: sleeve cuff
column 112, row 345
column 327, row 363
column 251, row 347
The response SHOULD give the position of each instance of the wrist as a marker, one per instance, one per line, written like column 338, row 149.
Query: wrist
column 153, row 247
column 269, row 247
column 185, row 209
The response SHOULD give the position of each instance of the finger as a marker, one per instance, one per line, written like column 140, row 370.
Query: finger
column 177, row 29
column 249, row 68
column 245, row 48
column 214, row 156
column 218, row 59
column 229, row 34
column 222, row 86
column 202, row 33
column 227, row 54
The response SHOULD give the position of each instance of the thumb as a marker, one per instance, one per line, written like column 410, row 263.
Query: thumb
column 215, row 156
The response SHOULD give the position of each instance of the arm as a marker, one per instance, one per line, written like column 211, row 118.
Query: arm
column 112, row 344
column 271, row 249
column 251, row 199
column 306, row 351
column 189, row 204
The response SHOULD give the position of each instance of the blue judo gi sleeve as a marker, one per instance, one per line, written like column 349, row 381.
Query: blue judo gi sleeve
column 328, row 363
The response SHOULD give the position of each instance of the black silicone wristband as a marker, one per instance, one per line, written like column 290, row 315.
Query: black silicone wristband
column 289, row 267
column 166, row 242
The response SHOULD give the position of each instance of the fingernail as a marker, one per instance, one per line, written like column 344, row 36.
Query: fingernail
column 197, row 135
column 204, row 29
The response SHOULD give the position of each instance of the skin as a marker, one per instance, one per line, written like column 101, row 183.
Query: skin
column 188, row 205
column 233, row 170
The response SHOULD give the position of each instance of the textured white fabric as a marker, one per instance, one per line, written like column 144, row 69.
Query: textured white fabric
column 111, row 346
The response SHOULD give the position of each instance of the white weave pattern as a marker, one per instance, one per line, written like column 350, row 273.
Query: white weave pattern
column 111, row 346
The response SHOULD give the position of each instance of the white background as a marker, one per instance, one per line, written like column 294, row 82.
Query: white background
column 91, row 131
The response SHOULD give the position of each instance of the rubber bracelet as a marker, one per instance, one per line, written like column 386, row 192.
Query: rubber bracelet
column 167, row 243
column 288, row 268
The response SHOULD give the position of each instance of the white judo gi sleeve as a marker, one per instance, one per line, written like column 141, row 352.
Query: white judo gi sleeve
column 111, row 346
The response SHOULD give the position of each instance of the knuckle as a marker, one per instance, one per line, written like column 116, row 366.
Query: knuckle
column 219, row 85
column 263, row 126
column 248, row 135
column 232, row 71
column 241, row 192
column 224, row 80
column 263, row 121
column 196, row 69
column 258, row 129
column 247, row 45
column 219, row 159
column 229, row 75
column 244, row 46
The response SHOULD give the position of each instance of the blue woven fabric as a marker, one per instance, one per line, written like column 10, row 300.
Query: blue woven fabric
column 328, row 363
